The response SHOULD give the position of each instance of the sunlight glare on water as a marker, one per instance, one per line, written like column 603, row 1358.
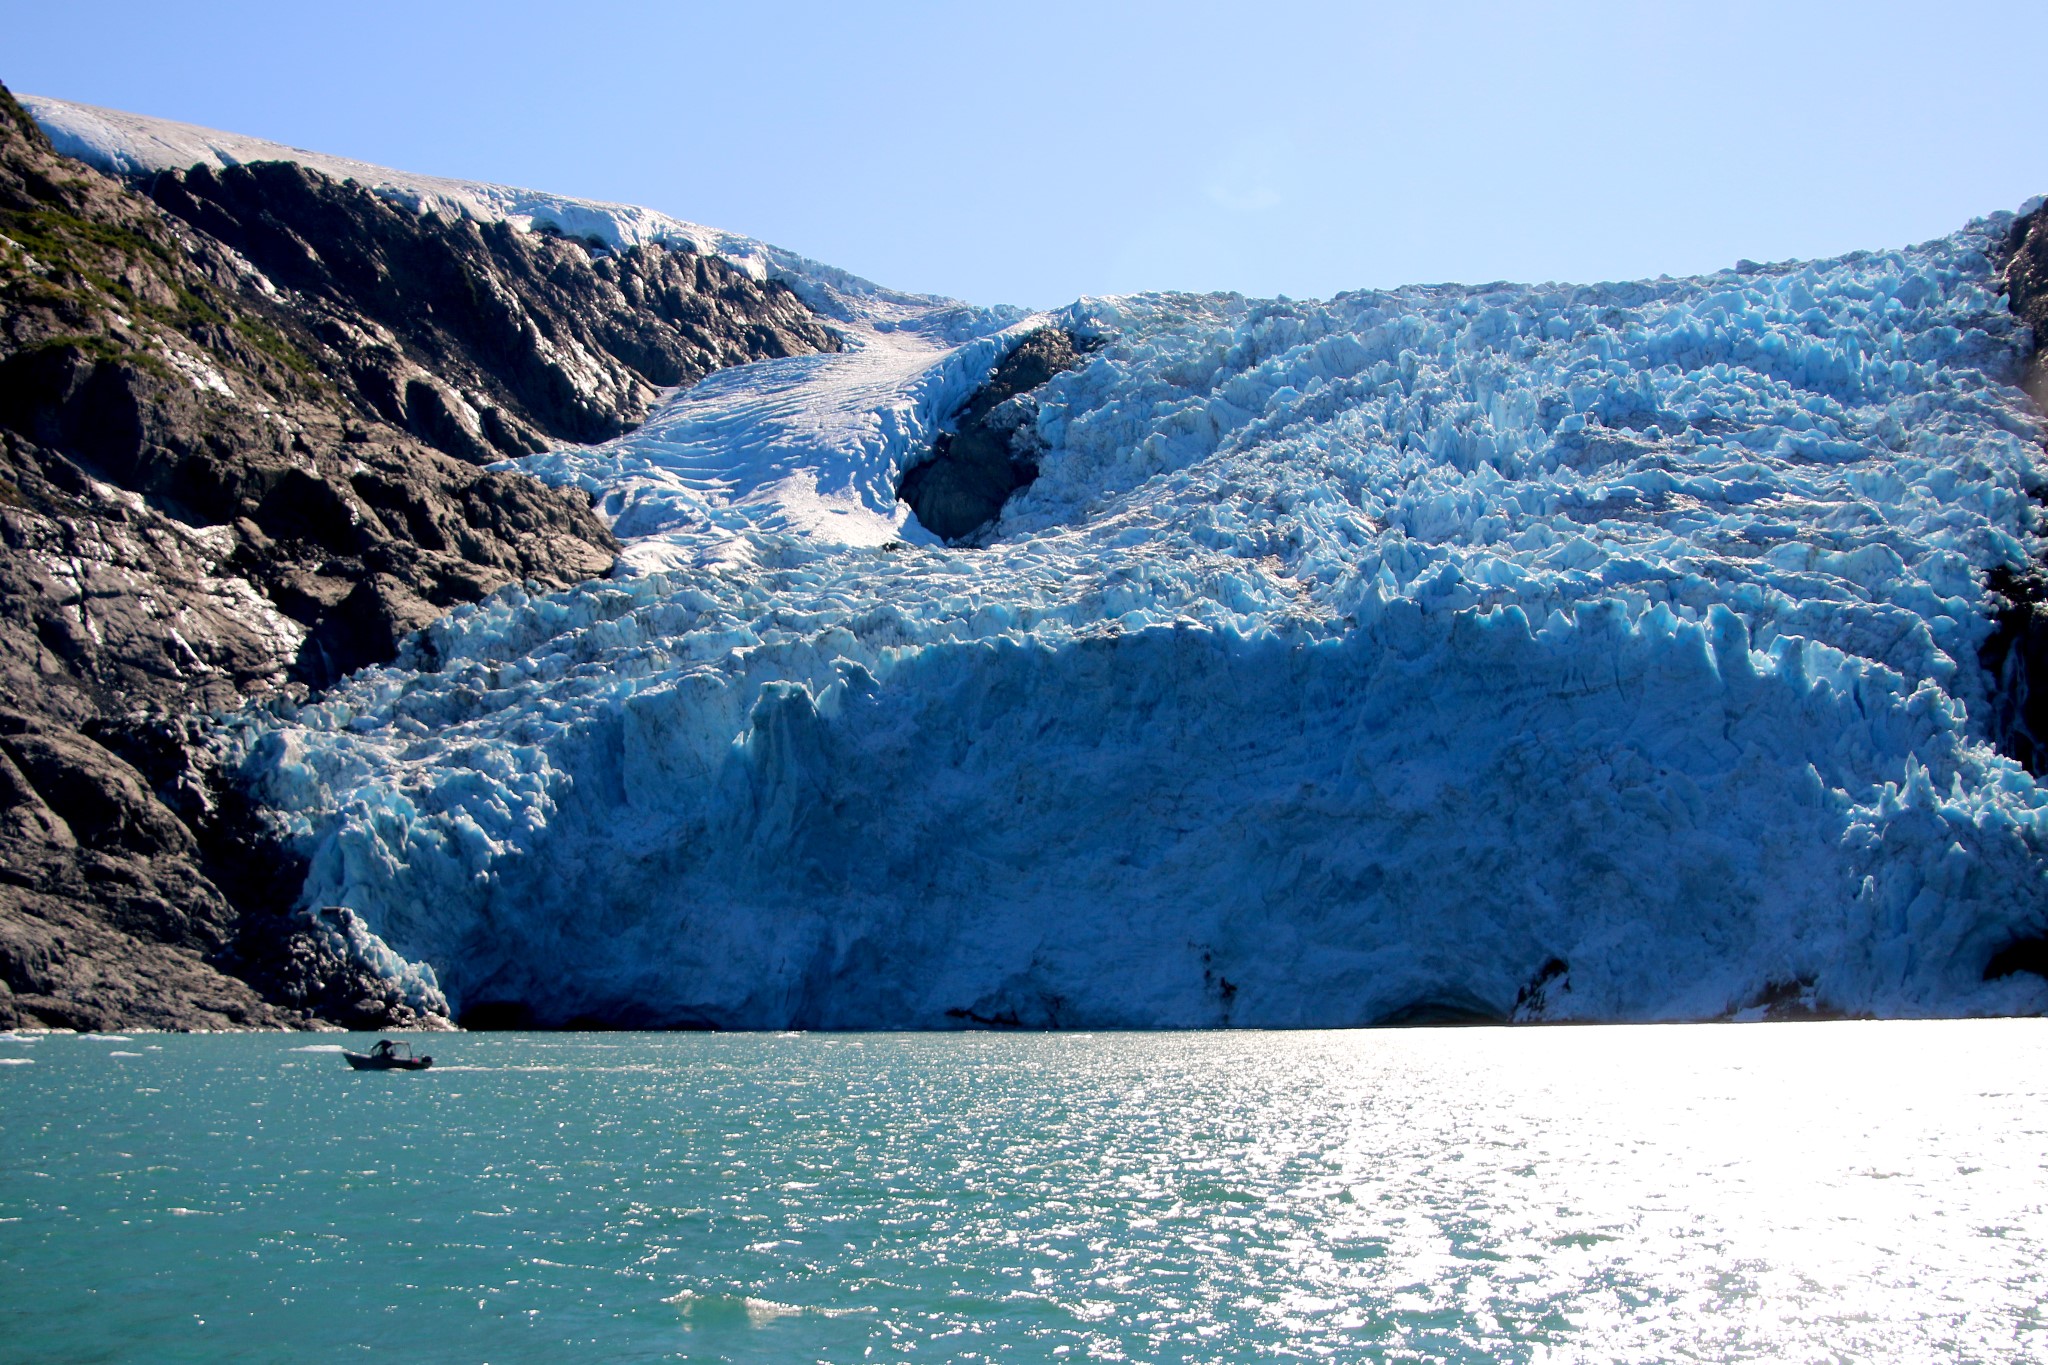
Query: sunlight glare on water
column 1862, row 1191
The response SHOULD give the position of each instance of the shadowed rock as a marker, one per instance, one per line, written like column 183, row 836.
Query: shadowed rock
column 973, row 470
column 477, row 338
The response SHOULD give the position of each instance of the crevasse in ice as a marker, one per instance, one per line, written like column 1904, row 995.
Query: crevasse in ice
column 1566, row 652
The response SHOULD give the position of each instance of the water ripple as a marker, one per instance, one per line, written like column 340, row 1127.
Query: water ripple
column 1853, row 1191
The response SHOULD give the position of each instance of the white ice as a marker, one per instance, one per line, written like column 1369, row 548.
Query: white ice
column 810, row 446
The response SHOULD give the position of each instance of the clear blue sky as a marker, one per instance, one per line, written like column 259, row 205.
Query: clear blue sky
column 1031, row 152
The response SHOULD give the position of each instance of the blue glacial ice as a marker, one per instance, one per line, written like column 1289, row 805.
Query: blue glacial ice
column 1558, row 652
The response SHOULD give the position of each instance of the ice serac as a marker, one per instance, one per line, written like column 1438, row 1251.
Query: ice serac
column 1554, row 652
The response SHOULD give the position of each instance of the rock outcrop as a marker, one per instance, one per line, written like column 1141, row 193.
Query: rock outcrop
column 2026, row 285
column 477, row 338
column 2015, row 654
column 2015, row 659
column 242, row 419
column 972, row 471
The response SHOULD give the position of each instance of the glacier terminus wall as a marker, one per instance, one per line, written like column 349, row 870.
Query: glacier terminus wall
column 1553, row 652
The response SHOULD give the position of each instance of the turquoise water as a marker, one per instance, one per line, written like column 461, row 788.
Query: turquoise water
column 1813, row 1192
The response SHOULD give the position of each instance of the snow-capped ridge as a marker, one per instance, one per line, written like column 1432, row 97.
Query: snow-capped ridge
column 807, row 445
column 134, row 144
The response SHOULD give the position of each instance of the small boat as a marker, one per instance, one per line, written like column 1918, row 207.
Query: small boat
column 388, row 1056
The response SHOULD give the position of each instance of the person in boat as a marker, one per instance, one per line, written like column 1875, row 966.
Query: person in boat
column 385, row 1048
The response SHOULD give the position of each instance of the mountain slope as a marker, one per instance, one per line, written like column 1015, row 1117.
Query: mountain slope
column 479, row 339
column 241, row 463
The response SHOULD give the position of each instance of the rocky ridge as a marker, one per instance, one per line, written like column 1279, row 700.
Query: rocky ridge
column 242, row 419
column 477, row 338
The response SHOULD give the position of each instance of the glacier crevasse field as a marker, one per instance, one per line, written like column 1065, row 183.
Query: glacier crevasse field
column 1559, row 652
column 1552, row 652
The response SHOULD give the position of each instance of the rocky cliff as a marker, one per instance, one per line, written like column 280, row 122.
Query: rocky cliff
column 477, row 338
column 2015, row 654
column 242, row 422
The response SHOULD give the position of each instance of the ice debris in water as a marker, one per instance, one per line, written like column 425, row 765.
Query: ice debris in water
column 1564, row 652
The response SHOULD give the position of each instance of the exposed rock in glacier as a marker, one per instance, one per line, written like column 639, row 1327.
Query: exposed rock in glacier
column 2015, row 653
column 1344, row 660
column 2025, row 250
column 2014, row 656
column 992, row 451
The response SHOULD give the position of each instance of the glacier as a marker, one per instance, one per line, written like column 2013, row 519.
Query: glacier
column 1541, row 652
column 1584, row 652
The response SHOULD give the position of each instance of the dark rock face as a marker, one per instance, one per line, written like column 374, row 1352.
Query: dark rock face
column 2015, row 654
column 2015, row 660
column 479, row 339
column 189, row 492
column 972, row 472
column 238, row 455
column 105, row 917
column 102, row 801
column 2026, row 286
